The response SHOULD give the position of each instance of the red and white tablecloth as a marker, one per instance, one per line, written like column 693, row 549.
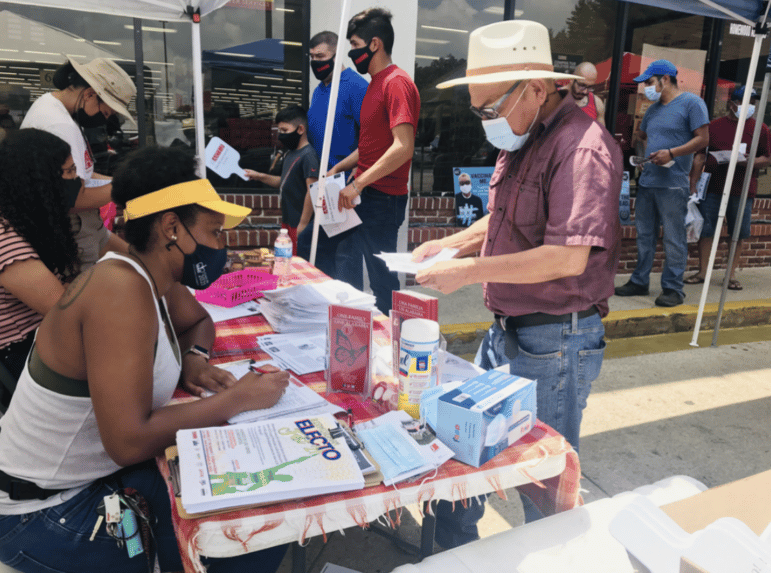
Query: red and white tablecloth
column 542, row 465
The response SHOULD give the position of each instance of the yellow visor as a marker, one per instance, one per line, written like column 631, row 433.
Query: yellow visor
column 199, row 192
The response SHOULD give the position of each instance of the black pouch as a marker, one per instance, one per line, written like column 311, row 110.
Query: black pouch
column 511, row 347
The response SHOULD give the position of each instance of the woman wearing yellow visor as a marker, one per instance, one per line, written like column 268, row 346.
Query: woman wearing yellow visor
column 91, row 411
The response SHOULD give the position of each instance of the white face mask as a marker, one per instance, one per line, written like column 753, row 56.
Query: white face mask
column 500, row 134
column 750, row 110
column 465, row 188
column 652, row 94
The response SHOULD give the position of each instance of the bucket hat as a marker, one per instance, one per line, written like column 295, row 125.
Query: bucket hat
column 508, row 51
column 110, row 82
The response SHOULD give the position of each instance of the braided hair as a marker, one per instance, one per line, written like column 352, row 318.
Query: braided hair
column 32, row 198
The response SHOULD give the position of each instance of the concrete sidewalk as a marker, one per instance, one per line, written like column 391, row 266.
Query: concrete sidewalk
column 701, row 412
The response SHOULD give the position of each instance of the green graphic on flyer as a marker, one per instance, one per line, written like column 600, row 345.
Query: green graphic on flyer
column 234, row 482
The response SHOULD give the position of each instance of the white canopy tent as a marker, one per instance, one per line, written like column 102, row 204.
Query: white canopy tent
column 754, row 13
column 163, row 10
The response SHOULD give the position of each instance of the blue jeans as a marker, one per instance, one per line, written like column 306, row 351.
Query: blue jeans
column 56, row 539
column 381, row 216
column 564, row 358
column 655, row 207
column 326, row 249
column 710, row 209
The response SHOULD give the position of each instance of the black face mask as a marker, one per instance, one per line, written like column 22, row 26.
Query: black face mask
column 88, row 121
column 71, row 190
column 290, row 140
column 361, row 58
column 322, row 69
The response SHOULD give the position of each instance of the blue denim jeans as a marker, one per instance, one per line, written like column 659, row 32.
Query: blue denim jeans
column 656, row 207
column 56, row 540
column 326, row 249
column 564, row 358
column 381, row 216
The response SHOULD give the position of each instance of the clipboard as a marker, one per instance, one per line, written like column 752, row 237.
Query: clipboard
column 172, row 460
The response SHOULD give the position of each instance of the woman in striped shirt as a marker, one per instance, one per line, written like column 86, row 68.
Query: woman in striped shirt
column 38, row 185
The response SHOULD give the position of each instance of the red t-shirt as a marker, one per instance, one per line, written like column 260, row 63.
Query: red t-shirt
column 721, row 138
column 391, row 99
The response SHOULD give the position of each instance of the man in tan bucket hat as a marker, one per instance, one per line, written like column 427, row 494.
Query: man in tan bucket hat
column 549, row 246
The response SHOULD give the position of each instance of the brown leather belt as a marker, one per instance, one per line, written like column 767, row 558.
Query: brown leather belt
column 540, row 319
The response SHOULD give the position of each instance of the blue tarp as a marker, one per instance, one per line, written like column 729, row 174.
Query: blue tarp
column 749, row 9
column 262, row 56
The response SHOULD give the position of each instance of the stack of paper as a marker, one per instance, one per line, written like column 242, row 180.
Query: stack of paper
column 305, row 307
column 263, row 462
column 301, row 353
column 403, row 263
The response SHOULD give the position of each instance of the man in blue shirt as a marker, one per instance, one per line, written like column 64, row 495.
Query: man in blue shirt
column 675, row 126
column 345, row 133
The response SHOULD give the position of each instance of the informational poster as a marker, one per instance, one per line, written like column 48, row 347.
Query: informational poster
column 472, row 185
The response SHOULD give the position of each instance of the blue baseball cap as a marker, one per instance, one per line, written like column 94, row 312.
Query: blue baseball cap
column 658, row 68
column 739, row 94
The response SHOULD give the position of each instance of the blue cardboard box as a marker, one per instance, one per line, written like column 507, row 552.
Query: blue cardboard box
column 483, row 416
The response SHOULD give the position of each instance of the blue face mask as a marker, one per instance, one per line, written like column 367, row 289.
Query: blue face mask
column 499, row 132
column 652, row 94
column 203, row 266
column 391, row 450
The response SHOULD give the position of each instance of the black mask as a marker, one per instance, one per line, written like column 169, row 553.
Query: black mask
column 290, row 140
column 361, row 58
column 322, row 69
column 71, row 190
column 87, row 121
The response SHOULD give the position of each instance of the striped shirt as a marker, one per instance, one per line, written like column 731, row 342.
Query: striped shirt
column 17, row 320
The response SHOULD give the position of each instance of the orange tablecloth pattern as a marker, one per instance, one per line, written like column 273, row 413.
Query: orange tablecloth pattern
column 542, row 465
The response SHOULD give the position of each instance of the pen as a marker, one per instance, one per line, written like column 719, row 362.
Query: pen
column 258, row 370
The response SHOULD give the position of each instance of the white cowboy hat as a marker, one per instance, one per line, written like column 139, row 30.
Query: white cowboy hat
column 110, row 82
column 508, row 51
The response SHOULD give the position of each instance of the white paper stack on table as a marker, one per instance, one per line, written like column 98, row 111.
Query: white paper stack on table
column 223, row 313
column 298, row 398
column 402, row 262
column 305, row 307
column 263, row 462
column 301, row 353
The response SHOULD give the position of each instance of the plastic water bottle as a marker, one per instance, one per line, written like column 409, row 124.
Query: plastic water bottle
column 282, row 257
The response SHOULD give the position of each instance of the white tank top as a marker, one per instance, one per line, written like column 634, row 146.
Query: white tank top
column 53, row 440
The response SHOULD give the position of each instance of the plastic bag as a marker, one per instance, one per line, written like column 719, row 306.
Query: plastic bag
column 693, row 220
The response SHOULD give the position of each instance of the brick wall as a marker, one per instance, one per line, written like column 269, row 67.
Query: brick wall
column 433, row 217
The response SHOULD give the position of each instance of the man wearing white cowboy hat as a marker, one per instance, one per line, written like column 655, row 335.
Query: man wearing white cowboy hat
column 550, row 243
column 88, row 94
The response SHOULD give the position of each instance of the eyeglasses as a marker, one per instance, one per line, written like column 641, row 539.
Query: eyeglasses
column 583, row 87
column 70, row 170
column 492, row 111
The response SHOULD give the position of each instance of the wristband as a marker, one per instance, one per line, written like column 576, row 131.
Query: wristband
column 353, row 184
column 672, row 155
column 199, row 350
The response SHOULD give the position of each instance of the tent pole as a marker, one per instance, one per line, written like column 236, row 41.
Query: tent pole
column 200, row 144
column 329, row 126
column 742, row 201
column 759, row 37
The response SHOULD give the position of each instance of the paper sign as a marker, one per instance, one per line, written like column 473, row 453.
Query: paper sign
column 328, row 211
column 223, row 159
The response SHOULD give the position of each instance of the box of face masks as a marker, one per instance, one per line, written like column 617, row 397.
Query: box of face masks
column 483, row 416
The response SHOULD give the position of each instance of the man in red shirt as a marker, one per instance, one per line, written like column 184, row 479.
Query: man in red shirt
column 721, row 137
column 389, row 118
column 582, row 91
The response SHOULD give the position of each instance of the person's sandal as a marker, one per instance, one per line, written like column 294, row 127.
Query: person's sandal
column 733, row 284
column 693, row 280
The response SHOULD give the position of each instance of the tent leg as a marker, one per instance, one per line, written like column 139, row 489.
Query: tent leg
column 742, row 202
column 727, row 188
column 200, row 143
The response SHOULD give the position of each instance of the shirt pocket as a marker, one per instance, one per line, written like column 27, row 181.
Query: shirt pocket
column 529, row 214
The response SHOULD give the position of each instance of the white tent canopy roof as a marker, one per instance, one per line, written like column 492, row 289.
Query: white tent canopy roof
column 165, row 10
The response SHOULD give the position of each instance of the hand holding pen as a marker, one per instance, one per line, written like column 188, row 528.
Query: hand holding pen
column 265, row 384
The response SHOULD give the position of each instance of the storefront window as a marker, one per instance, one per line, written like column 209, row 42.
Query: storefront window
column 252, row 58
